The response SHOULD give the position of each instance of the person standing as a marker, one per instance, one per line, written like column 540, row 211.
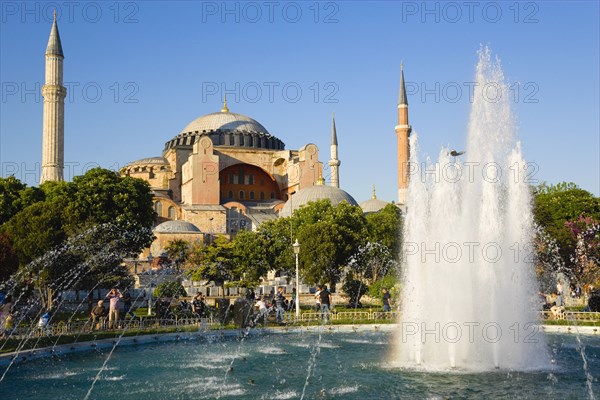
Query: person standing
column 280, row 304
column 113, row 310
column 127, row 304
column 387, row 300
column 5, row 311
column 325, row 300
column 318, row 299
column 263, row 312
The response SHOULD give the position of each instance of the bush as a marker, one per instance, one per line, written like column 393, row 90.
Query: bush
column 355, row 289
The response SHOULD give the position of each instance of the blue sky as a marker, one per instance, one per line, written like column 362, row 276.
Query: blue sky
column 138, row 72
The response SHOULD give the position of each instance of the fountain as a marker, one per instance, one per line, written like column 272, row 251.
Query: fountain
column 469, row 326
column 470, row 292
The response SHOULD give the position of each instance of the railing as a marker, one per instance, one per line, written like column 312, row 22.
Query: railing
column 560, row 314
column 149, row 323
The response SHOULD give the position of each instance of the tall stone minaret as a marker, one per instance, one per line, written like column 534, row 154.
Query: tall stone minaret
column 334, row 163
column 53, row 136
column 403, row 130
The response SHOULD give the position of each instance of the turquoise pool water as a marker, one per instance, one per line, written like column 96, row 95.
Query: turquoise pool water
column 290, row 366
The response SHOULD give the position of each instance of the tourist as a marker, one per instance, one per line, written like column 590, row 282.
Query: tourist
column 197, row 305
column 127, row 304
column 263, row 311
column 318, row 299
column 9, row 326
column 97, row 315
column 325, row 300
column 280, row 305
column 387, row 300
column 44, row 322
column 113, row 309
column 5, row 311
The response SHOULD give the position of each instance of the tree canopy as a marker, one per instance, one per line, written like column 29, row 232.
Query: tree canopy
column 75, row 233
column 557, row 208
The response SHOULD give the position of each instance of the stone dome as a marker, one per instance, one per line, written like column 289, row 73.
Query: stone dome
column 224, row 121
column 226, row 129
column 176, row 227
column 314, row 193
column 373, row 204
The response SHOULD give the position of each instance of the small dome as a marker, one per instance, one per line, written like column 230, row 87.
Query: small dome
column 373, row 205
column 224, row 121
column 314, row 193
column 176, row 227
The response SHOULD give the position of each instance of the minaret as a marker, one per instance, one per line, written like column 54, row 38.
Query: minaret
column 334, row 163
column 403, row 130
column 53, row 136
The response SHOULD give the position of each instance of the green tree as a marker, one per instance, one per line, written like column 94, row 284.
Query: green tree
column 66, row 235
column 102, row 196
column 384, row 227
column 556, row 205
column 178, row 251
column 249, row 258
column 213, row 262
column 279, row 254
column 9, row 263
column 15, row 196
column 169, row 290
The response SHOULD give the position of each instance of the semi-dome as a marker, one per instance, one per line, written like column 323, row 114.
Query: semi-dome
column 314, row 193
column 149, row 161
column 373, row 204
column 176, row 227
column 229, row 129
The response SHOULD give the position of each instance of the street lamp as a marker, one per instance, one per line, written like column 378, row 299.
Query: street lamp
column 296, row 246
column 151, row 284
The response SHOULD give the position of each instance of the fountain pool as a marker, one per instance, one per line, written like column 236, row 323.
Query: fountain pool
column 340, row 365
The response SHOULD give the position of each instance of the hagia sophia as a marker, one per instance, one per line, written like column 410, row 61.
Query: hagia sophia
column 224, row 171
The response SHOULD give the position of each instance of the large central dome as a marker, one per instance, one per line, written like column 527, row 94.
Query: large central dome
column 224, row 121
column 226, row 129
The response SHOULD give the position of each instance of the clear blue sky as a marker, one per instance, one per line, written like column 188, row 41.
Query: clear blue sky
column 160, row 65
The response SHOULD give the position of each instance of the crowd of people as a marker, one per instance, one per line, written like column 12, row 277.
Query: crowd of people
column 100, row 317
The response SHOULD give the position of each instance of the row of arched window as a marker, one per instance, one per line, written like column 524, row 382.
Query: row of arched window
column 171, row 212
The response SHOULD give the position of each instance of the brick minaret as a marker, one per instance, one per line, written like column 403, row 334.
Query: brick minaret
column 53, row 136
column 403, row 130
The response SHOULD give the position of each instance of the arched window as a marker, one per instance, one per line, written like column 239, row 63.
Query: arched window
column 262, row 195
column 230, row 194
column 251, row 195
column 241, row 195
column 272, row 195
column 158, row 208
column 172, row 213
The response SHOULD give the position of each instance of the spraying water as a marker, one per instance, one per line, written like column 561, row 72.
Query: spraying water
column 469, row 288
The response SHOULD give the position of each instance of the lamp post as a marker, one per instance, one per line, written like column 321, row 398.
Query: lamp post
column 296, row 247
column 151, row 284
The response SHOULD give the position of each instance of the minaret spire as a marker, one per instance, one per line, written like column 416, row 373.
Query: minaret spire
column 334, row 163
column 373, row 196
column 403, row 130
column 402, row 95
column 53, row 134
column 225, row 109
